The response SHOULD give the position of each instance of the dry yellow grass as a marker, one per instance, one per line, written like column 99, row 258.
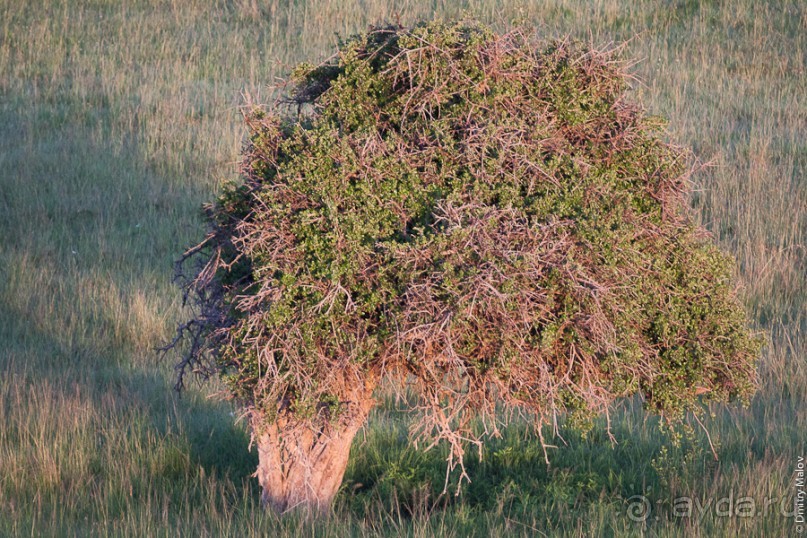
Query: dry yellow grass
column 118, row 119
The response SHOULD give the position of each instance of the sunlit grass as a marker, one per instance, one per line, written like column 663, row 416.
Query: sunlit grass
column 118, row 119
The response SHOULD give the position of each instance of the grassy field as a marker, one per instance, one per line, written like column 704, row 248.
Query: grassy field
column 118, row 119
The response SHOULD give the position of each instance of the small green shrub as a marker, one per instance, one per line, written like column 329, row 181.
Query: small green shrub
column 489, row 218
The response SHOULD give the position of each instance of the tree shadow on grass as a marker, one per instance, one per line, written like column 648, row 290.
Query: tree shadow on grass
column 92, row 225
column 141, row 400
column 512, row 474
column 587, row 474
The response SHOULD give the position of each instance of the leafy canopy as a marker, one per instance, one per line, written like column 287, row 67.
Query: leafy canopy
column 488, row 217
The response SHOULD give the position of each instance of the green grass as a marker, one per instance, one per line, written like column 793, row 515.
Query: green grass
column 118, row 119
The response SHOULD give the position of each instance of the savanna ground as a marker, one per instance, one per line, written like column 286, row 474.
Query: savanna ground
column 118, row 119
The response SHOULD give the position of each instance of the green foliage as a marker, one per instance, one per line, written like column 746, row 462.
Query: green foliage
column 487, row 214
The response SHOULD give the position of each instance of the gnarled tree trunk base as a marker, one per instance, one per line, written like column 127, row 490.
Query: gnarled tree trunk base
column 301, row 466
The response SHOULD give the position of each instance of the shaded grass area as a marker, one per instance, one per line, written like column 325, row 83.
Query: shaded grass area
column 117, row 120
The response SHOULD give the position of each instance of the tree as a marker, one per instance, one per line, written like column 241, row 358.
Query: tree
column 487, row 218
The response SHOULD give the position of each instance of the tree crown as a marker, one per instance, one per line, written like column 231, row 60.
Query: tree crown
column 488, row 217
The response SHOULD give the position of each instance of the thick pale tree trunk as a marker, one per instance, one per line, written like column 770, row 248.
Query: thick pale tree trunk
column 300, row 466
